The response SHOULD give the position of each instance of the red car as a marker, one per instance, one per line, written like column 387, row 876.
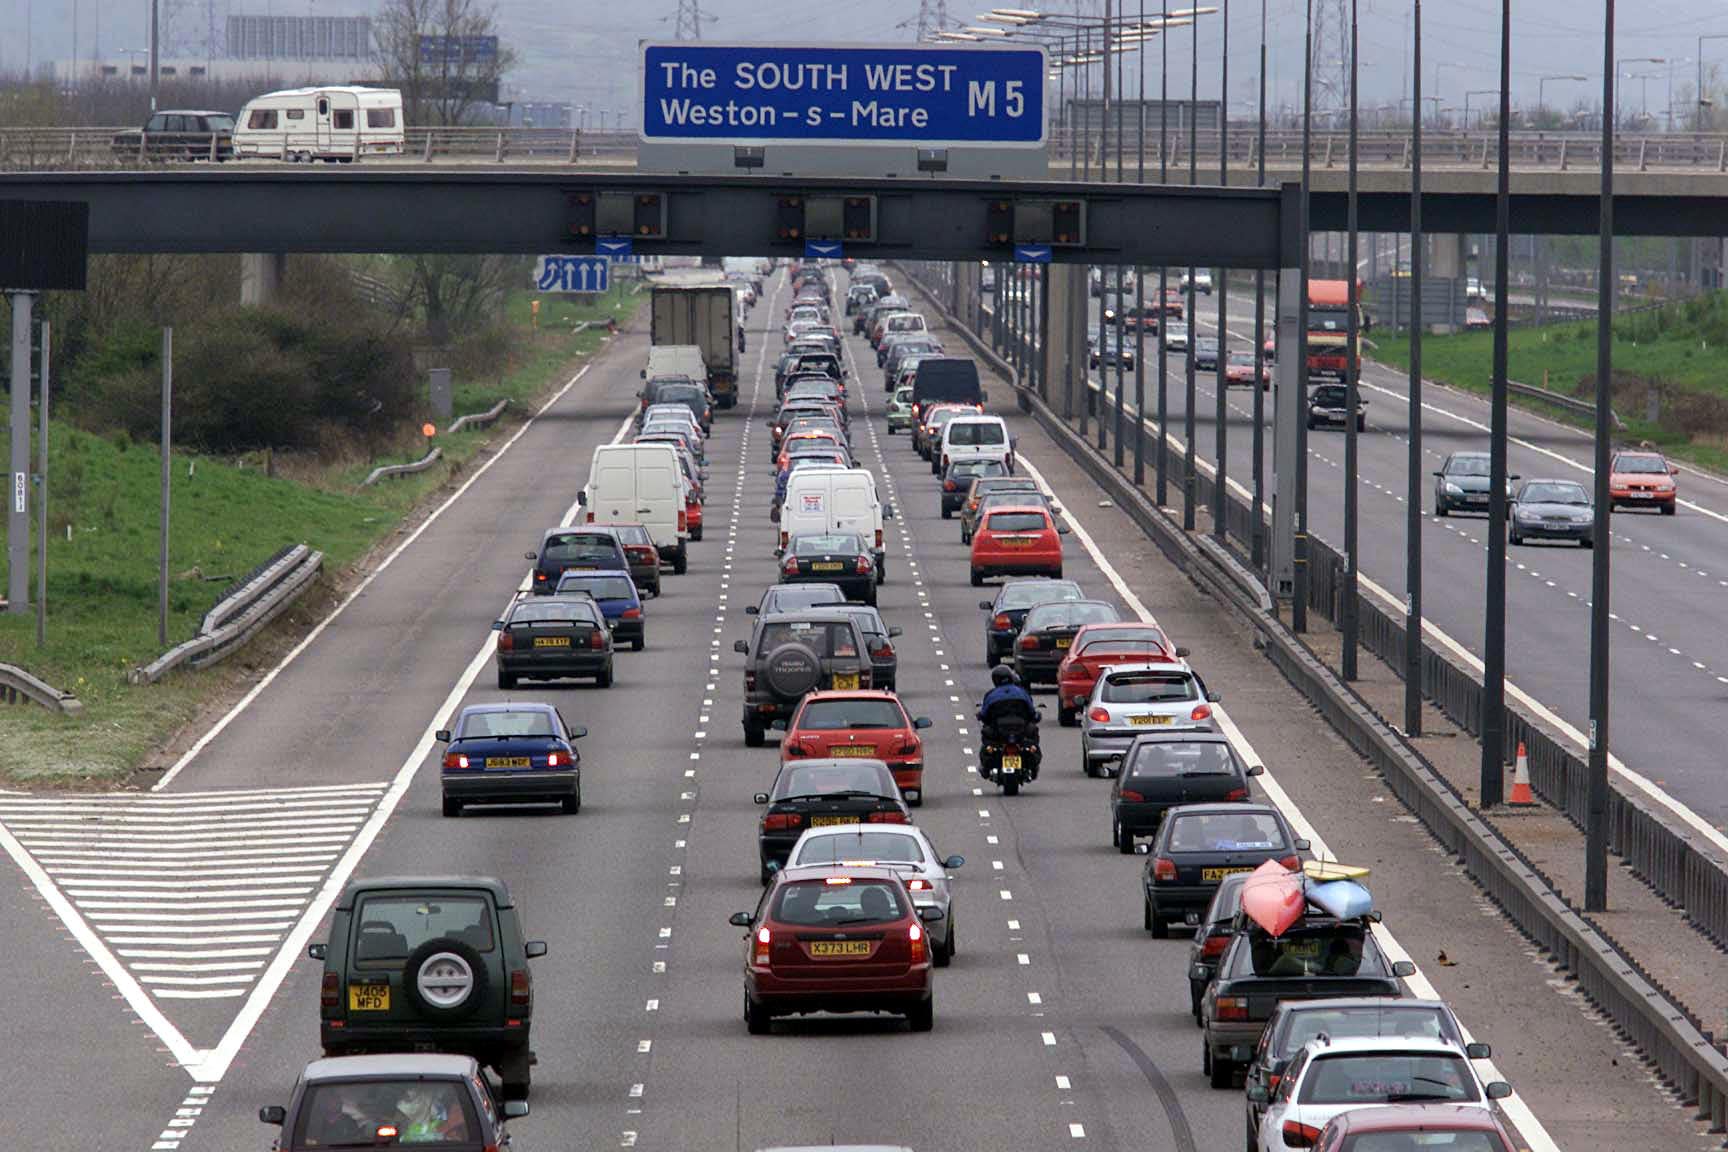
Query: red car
column 1017, row 541
column 1471, row 1129
column 833, row 938
column 807, row 438
column 871, row 724
column 1642, row 480
column 1095, row 647
column 1239, row 371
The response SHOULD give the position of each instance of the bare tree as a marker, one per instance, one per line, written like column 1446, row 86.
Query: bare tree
column 438, row 87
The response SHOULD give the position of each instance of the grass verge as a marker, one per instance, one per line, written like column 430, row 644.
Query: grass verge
column 228, row 517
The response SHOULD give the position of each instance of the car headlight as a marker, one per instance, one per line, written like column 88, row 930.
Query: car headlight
column 1453, row 489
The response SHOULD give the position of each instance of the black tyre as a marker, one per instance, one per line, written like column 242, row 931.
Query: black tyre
column 696, row 532
column 1441, row 510
column 756, row 1021
column 947, row 512
column 1160, row 928
column 445, row 980
column 1067, row 717
column 516, row 1074
column 1146, row 917
column 680, row 560
column 977, row 578
column 1669, row 509
column 1011, row 787
column 1124, row 841
column 945, row 955
column 922, row 1018
column 452, row 806
column 572, row 803
column 638, row 644
column 991, row 659
column 604, row 679
column 506, row 680
column 755, row 735
column 1222, row 1074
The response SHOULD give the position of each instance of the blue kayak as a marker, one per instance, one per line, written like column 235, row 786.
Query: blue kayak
column 1344, row 899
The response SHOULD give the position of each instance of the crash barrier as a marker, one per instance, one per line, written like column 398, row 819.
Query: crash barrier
column 1685, row 1056
column 19, row 686
column 241, row 613
column 409, row 469
column 476, row 419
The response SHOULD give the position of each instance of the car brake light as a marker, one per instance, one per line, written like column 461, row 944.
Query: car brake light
column 540, row 576
column 1029, row 642
column 1131, row 796
column 915, row 937
column 749, row 681
column 1000, row 622
column 1236, row 794
column 506, row 642
column 590, row 517
column 386, row 1133
column 554, row 759
column 781, row 821
column 521, row 990
column 1232, row 1007
column 630, row 614
column 1213, row 946
column 886, row 652
column 864, row 564
column 455, row 760
column 889, row 816
column 1164, row 868
column 784, row 539
column 1201, row 712
column 878, row 537
column 918, row 885
column 1272, row 1081
column 1099, row 715
column 330, row 991
column 1292, row 862
column 1300, row 1135
column 791, row 566
column 950, row 486
column 764, row 941
column 597, row 639
column 683, row 520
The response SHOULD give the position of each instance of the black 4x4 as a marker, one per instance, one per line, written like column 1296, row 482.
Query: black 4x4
column 793, row 653
column 429, row 964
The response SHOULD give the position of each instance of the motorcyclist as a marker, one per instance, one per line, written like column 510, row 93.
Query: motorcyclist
column 1008, row 697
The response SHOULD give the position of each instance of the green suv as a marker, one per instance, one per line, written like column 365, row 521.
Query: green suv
column 430, row 964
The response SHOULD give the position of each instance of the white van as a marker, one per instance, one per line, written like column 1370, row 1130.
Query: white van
column 643, row 483
column 836, row 500
column 974, row 438
column 329, row 123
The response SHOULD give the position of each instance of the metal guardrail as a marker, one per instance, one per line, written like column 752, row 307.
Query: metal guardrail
column 1687, row 1058
column 1571, row 404
column 419, row 465
column 476, row 419
column 95, row 147
column 18, row 685
column 239, row 615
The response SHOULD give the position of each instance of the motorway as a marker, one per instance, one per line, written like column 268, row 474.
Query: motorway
column 1670, row 574
column 1060, row 1024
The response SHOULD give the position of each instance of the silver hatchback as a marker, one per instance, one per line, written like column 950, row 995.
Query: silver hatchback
column 1131, row 699
column 904, row 848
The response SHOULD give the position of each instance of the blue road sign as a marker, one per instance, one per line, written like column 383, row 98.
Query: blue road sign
column 457, row 49
column 616, row 247
column 1032, row 253
column 821, row 249
column 919, row 95
column 572, row 274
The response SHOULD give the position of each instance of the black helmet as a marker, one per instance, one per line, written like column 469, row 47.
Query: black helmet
column 1001, row 674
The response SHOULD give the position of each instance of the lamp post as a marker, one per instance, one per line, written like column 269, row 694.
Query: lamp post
column 1476, row 92
column 1414, row 466
column 1256, row 530
column 1596, row 795
column 1351, row 366
column 1541, row 89
column 1492, row 776
column 1698, row 95
column 1621, row 63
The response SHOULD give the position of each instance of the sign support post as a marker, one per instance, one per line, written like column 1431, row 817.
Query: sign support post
column 18, row 498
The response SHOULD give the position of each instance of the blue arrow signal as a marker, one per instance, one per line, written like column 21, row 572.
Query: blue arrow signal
column 1032, row 253
column 616, row 247
column 821, row 249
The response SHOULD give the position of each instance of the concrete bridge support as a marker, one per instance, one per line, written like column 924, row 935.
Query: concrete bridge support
column 261, row 277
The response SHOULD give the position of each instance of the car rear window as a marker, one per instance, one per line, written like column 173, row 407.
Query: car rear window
column 1387, row 1078
column 825, row 544
column 1197, row 759
column 1361, row 1020
column 817, row 903
column 826, row 638
column 841, row 715
column 822, row 779
column 677, row 394
column 548, row 614
column 1225, row 832
column 790, row 597
column 860, row 846
column 350, row 1115
column 1017, row 522
column 1068, row 615
column 1329, row 394
column 599, row 587
column 1332, row 951
column 1149, row 688
column 579, row 548
column 1026, row 593
column 389, row 927
column 1150, row 649
column 526, row 722
column 1006, row 484
column 977, row 432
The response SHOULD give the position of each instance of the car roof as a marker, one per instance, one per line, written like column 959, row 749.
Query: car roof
column 1225, row 808
column 1182, row 736
column 813, row 871
column 1332, row 1003
column 502, row 706
column 580, row 573
column 491, row 884
column 816, row 614
column 1350, row 1044
column 1408, row 1117
column 418, row 1064
column 852, row 694
column 548, row 533
column 1044, row 508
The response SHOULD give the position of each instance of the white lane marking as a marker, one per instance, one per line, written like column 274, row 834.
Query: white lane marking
column 1049, row 1039
column 1516, row 1109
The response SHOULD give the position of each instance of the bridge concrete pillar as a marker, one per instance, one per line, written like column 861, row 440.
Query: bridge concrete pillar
column 1448, row 255
column 261, row 277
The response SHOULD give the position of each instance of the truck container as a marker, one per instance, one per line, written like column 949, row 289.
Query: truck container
column 704, row 315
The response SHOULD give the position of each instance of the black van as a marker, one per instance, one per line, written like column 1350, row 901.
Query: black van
column 946, row 380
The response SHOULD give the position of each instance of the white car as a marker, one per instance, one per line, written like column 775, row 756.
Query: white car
column 1328, row 1076
column 1129, row 699
column 1176, row 336
column 1202, row 281
column 902, row 847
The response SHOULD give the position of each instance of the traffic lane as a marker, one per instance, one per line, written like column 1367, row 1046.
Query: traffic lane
column 591, row 884
column 1556, row 1059
column 389, row 653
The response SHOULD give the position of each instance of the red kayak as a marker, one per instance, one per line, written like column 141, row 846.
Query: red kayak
column 1272, row 897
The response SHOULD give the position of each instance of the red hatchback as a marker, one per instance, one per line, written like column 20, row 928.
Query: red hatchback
column 1457, row 1127
column 1097, row 646
column 836, row 938
column 872, row 725
column 1018, row 540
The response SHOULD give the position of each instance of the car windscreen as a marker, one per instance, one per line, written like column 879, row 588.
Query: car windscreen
column 827, row 638
column 1330, row 395
column 1017, row 522
column 1387, row 1078
column 826, row 544
column 844, row 715
column 1467, row 466
column 351, row 1114
column 1643, row 465
column 968, row 469
column 525, row 722
column 823, row 779
column 1149, row 688
column 1196, row 759
column 599, row 587
column 579, row 548
column 977, row 433
column 1225, row 832
column 1242, row 359
column 1390, row 1019
column 678, row 394
column 1335, row 950
column 790, row 597
column 390, row 927
column 1553, row 494
column 1068, row 615
column 1429, row 1139
column 632, row 534
column 860, row 846
column 817, row 903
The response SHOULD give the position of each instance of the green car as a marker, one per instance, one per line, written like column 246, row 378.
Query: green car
column 900, row 410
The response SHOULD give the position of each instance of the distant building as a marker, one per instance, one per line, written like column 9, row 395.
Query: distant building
column 269, row 73
column 299, row 38
column 541, row 114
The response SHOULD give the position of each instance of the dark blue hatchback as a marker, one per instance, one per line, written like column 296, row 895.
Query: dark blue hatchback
column 511, row 754
column 615, row 593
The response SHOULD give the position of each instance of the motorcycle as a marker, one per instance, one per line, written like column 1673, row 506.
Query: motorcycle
column 1010, row 755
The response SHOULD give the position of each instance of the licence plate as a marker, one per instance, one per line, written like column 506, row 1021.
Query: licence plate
column 508, row 762
column 832, row 949
column 369, row 997
column 1017, row 542
column 1064, row 641
column 1208, row 875
column 1012, row 763
column 1641, row 495
column 846, row 683
column 853, row 750
column 826, row 566
column 1147, row 721
column 551, row 641
column 830, row 821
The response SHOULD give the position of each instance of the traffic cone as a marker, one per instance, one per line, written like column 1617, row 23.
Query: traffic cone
column 1521, row 793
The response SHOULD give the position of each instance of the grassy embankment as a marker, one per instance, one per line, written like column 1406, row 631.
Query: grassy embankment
column 1680, row 350
column 227, row 518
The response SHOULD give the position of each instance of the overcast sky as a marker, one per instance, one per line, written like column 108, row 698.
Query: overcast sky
column 584, row 50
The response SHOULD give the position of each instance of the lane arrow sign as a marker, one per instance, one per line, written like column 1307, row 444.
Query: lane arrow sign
column 614, row 247
column 1032, row 253
column 821, row 249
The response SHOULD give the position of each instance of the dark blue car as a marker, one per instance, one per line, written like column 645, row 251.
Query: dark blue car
column 511, row 754
column 615, row 592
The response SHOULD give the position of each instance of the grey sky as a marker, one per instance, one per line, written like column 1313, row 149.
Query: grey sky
column 584, row 50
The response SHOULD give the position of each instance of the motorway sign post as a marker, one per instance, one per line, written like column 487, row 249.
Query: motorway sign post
column 563, row 273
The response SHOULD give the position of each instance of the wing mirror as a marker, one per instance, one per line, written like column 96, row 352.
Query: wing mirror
column 1257, row 1093
column 530, row 555
column 740, row 919
column 893, row 631
column 1477, row 1050
column 777, row 725
column 752, row 610
column 774, row 517
column 1256, row 770
column 1303, row 845
column 1215, row 697
column 273, row 1114
column 1499, row 1090
column 316, row 951
column 1403, row 969
column 888, row 511
column 954, row 862
column 986, row 605
column 497, row 625
column 515, row 1109
column 931, row 913
column 578, row 732
column 442, row 735
column 921, row 723
column 1062, row 529
column 761, row 797
column 582, row 498
column 534, row 949
column 1181, row 653
column 742, row 647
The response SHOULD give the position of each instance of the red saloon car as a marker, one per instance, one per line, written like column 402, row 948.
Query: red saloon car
column 868, row 724
column 1017, row 540
column 1097, row 646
